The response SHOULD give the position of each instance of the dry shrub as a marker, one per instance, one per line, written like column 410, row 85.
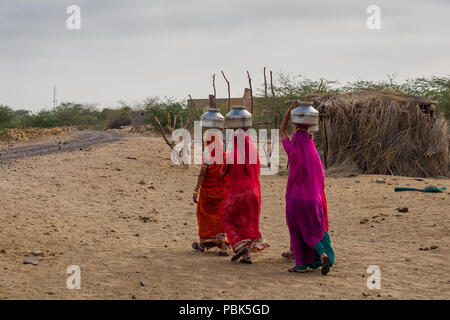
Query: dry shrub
column 117, row 119
column 18, row 135
column 384, row 133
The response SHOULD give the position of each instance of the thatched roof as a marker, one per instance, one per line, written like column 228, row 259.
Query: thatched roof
column 385, row 96
column 384, row 132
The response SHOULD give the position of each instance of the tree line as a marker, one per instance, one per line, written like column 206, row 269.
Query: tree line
column 285, row 87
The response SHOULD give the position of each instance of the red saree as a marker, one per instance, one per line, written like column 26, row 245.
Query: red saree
column 211, row 194
column 240, row 210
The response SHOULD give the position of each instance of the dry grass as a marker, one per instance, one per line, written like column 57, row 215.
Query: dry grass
column 19, row 135
column 384, row 133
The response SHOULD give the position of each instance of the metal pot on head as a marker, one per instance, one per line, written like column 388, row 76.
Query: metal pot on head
column 305, row 115
column 238, row 117
column 212, row 119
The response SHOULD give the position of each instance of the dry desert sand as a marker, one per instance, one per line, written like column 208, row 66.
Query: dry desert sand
column 88, row 208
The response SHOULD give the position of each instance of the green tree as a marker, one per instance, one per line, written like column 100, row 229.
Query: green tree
column 43, row 119
column 159, row 108
column 6, row 116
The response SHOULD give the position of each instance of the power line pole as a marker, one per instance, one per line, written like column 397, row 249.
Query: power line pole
column 55, row 101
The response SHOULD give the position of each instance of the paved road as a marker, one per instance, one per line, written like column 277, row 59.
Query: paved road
column 85, row 140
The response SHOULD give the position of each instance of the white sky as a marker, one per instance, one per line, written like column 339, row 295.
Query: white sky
column 131, row 49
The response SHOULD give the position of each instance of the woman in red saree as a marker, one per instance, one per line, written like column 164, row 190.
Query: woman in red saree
column 212, row 191
column 241, row 207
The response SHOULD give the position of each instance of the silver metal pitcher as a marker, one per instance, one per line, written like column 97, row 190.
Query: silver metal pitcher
column 238, row 117
column 212, row 119
column 305, row 114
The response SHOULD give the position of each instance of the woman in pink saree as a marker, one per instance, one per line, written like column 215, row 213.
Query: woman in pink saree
column 305, row 212
column 241, row 207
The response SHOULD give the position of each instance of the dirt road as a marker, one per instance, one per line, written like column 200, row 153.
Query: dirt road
column 83, row 140
column 91, row 208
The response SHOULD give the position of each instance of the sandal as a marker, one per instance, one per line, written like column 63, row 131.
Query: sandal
column 288, row 255
column 297, row 269
column 242, row 251
column 246, row 259
column 197, row 246
column 326, row 265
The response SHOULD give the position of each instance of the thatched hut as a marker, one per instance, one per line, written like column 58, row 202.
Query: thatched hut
column 383, row 133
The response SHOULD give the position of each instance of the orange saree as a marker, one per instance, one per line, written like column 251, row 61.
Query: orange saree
column 211, row 194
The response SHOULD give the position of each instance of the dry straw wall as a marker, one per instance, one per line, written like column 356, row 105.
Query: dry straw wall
column 384, row 133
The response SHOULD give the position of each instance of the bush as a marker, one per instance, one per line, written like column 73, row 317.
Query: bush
column 115, row 118
column 296, row 87
column 43, row 119
column 6, row 116
column 76, row 114
column 159, row 108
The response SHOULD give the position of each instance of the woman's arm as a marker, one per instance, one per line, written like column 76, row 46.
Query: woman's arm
column 286, row 118
column 201, row 177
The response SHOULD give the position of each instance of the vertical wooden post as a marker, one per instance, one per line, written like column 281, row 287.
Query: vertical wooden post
column 229, row 94
column 214, row 84
column 324, row 138
column 251, row 92
column 275, row 111
column 265, row 95
column 320, row 86
column 212, row 101
column 265, row 88
column 246, row 99
column 193, row 107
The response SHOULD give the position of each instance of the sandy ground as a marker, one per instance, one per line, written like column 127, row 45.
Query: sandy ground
column 88, row 208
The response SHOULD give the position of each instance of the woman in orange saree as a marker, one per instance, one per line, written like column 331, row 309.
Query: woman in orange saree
column 212, row 190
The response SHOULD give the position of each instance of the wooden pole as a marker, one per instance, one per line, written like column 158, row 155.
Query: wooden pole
column 324, row 138
column 265, row 93
column 275, row 111
column 229, row 93
column 265, row 87
column 193, row 107
column 212, row 101
column 188, row 122
column 251, row 91
column 246, row 99
column 214, row 84
column 320, row 86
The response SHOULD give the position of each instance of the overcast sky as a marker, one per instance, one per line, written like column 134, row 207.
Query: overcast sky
column 132, row 49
